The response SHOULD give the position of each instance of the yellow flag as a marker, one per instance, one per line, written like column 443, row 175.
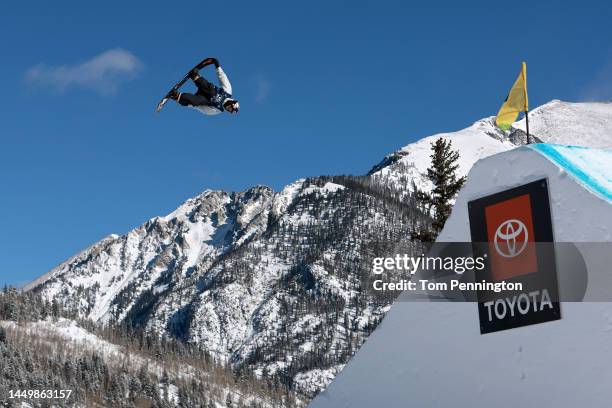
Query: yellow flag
column 516, row 101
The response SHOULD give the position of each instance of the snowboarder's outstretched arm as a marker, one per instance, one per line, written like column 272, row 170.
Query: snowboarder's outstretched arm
column 223, row 80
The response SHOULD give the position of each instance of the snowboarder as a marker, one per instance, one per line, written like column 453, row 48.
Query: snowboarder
column 209, row 99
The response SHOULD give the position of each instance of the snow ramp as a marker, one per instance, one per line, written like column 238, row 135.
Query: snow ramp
column 432, row 354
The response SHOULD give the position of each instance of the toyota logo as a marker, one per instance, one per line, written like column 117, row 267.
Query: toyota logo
column 506, row 243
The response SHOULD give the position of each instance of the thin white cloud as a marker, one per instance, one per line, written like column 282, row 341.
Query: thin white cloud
column 262, row 91
column 102, row 73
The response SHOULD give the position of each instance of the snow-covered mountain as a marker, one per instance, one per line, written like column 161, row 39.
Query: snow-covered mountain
column 273, row 282
column 409, row 164
column 278, row 283
column 586, row 124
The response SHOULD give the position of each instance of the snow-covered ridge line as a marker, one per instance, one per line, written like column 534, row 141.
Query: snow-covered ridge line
column 77, row 340
column 43, row 278
column 70, row 331
column 587, row 124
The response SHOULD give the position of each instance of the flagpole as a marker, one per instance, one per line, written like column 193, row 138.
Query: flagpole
column 524, row 72
column 527, row 124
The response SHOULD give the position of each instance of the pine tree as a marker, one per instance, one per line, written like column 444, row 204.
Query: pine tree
column 183, row 397
column 55, row 312
column 442, row 173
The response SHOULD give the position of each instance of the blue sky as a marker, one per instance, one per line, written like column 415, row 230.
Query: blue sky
column 325, row 88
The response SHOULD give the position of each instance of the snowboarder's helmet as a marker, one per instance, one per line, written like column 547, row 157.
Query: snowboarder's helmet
column 235, row 105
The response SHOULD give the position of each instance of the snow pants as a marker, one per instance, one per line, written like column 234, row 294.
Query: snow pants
column 206, row 91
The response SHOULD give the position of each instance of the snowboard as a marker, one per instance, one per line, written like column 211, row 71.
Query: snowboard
column 205, row 62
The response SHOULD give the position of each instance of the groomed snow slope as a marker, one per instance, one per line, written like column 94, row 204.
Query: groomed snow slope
column 583, row 124
column 432, row 353
column 590, row 167
column 578, row 123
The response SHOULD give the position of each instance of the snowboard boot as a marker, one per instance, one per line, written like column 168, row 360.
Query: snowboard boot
column 194, row 74
column 173, row 94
